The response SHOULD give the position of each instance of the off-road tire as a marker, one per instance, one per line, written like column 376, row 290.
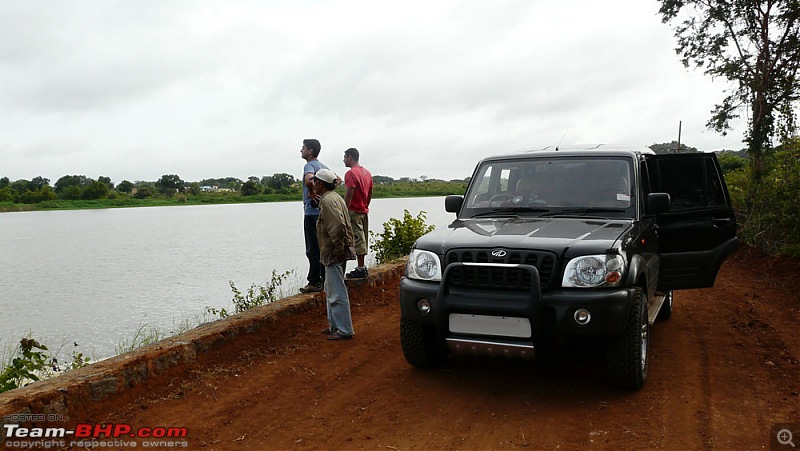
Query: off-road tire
column 627, row 356
column 666, row 308
column 420, row 344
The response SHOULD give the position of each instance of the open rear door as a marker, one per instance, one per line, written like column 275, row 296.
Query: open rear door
column 698, row 232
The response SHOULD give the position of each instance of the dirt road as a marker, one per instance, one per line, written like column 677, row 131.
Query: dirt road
column 724, row 369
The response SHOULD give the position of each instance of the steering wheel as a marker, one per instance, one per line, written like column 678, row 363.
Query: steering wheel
column 499, row 198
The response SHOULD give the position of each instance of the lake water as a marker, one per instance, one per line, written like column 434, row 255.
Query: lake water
column 95, row 277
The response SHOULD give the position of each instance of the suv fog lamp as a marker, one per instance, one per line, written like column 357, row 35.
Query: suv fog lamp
column 582, row 316
column 424, row 306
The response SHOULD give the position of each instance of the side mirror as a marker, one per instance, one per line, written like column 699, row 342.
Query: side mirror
column 452, row 204
column 657, row 203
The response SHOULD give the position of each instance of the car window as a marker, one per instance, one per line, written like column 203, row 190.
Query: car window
column 716, row 194
column 552, row 183
column 691, row 183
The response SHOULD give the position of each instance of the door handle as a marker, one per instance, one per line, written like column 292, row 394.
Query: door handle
column 721, row 222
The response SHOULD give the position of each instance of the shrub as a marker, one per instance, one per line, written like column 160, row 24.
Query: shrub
column 770, row 219
column 26, row 366
column 255, row 296
column 29, row 362
column 398, row 236
column 6, row 195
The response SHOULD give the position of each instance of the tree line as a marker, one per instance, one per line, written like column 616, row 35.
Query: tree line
column 82, row 188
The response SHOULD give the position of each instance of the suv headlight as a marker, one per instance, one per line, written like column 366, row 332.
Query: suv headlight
column 424, row 265
column 589, row 271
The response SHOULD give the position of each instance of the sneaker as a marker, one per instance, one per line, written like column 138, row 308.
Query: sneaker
column 358, row 273
column 311, row 288
column 327, row 331
column 339, row 336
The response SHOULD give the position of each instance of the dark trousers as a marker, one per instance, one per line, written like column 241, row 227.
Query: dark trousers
column 316, row 272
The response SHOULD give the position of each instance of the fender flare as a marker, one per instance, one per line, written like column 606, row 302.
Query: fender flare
column 636, row 270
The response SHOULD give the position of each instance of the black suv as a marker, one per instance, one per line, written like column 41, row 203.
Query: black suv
column 554, row 245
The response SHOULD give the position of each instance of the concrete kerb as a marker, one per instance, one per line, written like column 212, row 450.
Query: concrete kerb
column 112, row 376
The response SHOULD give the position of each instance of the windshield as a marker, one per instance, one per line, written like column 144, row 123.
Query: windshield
column 573, row 186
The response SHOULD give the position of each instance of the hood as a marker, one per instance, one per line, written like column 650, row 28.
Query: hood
column 558, row 235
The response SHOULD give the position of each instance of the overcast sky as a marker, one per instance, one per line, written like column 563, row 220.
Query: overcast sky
column 133, row 90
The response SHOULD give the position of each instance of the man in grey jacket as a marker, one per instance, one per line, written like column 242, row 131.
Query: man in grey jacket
column 335, row 236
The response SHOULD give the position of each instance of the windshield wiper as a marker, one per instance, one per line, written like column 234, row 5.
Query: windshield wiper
column 585, row 211
column 511, row 211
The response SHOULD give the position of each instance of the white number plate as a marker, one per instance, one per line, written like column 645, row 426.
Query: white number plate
column 490, row 325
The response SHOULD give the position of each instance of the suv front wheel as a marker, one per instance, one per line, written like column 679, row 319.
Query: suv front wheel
column 627, row 355
column 420, row 344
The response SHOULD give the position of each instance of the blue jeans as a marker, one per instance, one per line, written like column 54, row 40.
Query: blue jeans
column 316, row 272
column 337, row 300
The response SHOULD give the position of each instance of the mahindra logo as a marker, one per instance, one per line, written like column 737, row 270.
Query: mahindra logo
column 498, row 253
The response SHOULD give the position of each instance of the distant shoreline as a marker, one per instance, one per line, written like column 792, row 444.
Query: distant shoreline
column 217, row 199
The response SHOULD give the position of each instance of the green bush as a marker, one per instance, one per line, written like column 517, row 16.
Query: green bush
column 255, row 296
column 26, row 366
column 6, row 195
column 398, row 236
column 769, row 214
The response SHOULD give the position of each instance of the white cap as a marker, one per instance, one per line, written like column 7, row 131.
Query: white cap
column 326, row 175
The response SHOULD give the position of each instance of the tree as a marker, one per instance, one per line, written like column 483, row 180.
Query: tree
column 252, row 187
column 729, row 161
column 4, row 182
column 40, row 195
column 70, row 180
column 755, row 44
column 378, row 179
column 671, row 148
column 194, row 188
column 20, row 187
column 143, row 192
column 125, row 186
column 169, row 184
column 106, row 181
column 37, row 183
column 281, row 181
column 95, row 190
column 6, row 195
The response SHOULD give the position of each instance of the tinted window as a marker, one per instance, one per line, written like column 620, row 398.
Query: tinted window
column 691, row 183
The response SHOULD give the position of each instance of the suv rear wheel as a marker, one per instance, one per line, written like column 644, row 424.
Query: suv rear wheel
column 627, row 355
column 421, row 347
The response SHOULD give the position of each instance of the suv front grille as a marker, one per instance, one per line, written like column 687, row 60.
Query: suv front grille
column 499, row 277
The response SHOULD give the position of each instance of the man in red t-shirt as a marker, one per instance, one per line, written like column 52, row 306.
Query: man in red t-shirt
column 358, row 194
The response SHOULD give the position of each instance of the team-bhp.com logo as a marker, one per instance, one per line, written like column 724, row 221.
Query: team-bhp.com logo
column 83, row 433
column 86, row 430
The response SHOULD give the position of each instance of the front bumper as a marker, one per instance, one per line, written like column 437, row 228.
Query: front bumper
column 551, row 313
